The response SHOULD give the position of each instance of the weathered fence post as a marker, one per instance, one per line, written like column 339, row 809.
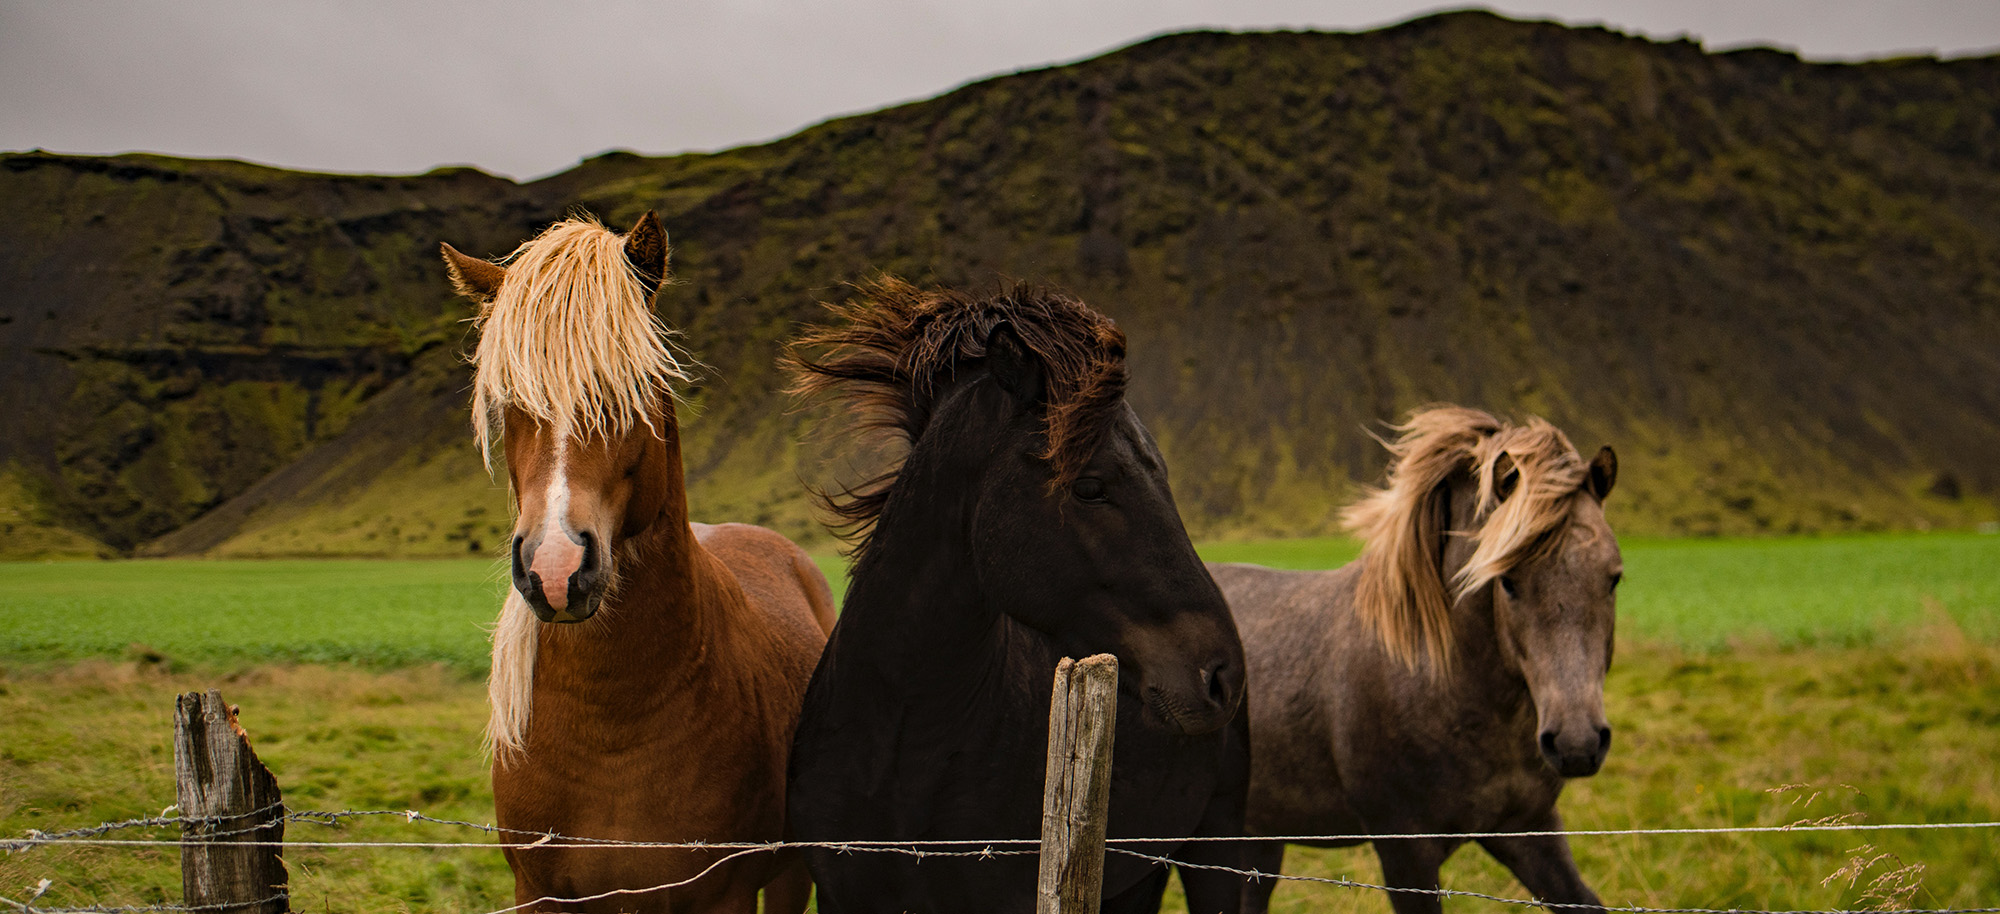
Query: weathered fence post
column 232, row 807
column 1076, row 799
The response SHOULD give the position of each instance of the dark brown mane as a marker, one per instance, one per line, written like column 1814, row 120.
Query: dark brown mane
column 890, row 351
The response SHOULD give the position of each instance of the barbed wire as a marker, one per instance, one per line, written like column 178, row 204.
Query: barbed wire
column 1589, row 832
column 1522, row 902
column 981, row 848
column 29, row 907
column 91, row 836
column 161, row 821
column 903, row 848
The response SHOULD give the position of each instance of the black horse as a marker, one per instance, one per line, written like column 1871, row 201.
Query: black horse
column 1029, row 520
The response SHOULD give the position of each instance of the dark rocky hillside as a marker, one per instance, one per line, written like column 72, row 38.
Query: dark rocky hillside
column 1773, row 285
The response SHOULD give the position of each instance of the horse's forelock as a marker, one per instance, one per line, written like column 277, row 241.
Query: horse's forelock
column 571, row 336
column 1527, row 522
column 1401, row 592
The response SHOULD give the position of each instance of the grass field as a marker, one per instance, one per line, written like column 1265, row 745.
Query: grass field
column 1697, row 594
column 1706, row 593
column 1743, row 666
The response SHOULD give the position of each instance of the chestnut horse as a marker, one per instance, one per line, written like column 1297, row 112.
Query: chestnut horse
column 1029, row 520
column 654, row 699
column 1450, row 679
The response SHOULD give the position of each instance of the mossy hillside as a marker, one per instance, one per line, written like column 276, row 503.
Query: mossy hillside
column 402, row 480
column 1606, row 231
column 421, row 506
column 27, row 530
column 1771, row 284
column 202, row 323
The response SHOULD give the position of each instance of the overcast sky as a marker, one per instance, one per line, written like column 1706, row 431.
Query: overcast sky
column 526, row 89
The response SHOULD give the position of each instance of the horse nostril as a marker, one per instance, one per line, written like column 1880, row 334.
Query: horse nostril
column 1549, row 743
column 1603, row 740
column 1218, row 686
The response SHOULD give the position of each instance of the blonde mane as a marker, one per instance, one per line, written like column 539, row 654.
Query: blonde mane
column 510, row 682
column 1402, row 594
column 569, row 337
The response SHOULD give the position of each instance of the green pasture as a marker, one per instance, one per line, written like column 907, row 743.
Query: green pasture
column 1703, row 740
column 1865, row 668
column 1707, row 593
column 1695, row 594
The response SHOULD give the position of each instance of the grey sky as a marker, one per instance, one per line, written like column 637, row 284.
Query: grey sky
column 525, row 89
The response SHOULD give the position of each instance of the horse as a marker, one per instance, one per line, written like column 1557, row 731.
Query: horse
column 1451, row 678
column 647, row 671
column 1028, row 519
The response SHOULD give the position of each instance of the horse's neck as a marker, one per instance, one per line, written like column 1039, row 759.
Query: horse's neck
column 1479, row 669
column 914, row 599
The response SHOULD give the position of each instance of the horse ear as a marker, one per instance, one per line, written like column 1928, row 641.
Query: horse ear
column 1015, row 368
column 1506, row 477
column 1433, row 521
column 475, row 279
column 646, row 249
column 1603, row 472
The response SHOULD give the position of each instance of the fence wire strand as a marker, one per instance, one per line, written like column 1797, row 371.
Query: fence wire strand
column 35, row 837
column 332, row 819
column 29, row 907
column 985, row 849
column 1522, row 902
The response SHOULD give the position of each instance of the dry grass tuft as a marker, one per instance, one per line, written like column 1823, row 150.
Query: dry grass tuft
column 1893, row 889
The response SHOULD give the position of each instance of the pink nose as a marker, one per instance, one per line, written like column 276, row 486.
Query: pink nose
column 556, row 559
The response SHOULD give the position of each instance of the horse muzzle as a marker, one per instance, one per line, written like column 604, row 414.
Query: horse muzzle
column 1202, row 706
column 563, row 581
column 1576, row 752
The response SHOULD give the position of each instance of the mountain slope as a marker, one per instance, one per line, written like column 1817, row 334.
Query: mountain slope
column 1773, row 285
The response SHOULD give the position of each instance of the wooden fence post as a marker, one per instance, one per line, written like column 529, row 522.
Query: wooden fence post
column 1076, row 798
column 225, row 795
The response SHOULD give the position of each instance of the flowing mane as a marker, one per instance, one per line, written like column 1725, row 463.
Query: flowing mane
column 1402, row 594
column 570, row 336
column 892, row 349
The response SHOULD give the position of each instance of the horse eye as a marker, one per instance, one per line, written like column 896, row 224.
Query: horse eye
column 1507, row 584
column 1615, row 578
column 1089, row 488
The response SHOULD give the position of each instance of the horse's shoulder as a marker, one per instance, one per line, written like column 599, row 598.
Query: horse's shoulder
column 727, row 533
column 776, row 574
column 747, row 547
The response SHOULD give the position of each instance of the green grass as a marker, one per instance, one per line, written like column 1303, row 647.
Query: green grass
column 1840, row 590
column 1701, row 739
column 380, row 613
column 1706, row 593
column 1697, row 594
column 1297, row 554
column 1744, row 665
column 92, row 742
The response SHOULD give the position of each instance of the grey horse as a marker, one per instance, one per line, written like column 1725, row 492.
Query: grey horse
column 1451, row 678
